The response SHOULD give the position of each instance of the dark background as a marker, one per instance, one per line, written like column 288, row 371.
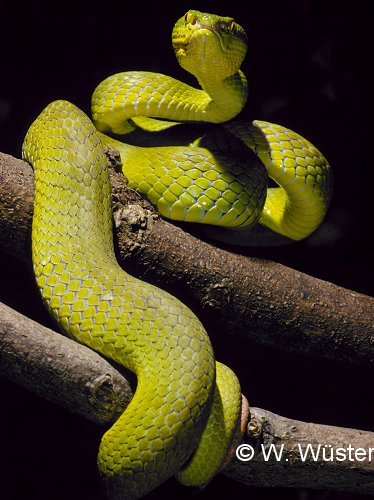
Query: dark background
column 307, row 67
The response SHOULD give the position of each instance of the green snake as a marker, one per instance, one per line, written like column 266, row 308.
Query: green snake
column 182, row 393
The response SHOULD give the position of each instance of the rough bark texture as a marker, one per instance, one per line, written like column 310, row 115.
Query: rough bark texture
column 60, row 369
column 16, row 206
column 289, row 437
column 76, row 378
column 268, row 302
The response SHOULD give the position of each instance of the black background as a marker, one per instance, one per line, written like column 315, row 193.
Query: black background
column 307, row 66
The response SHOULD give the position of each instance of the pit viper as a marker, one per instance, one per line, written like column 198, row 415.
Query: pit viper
column 182, row 394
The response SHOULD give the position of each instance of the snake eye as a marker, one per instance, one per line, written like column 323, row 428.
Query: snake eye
column 190, row 19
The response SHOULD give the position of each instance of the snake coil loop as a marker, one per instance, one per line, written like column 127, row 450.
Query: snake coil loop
column 182, row 394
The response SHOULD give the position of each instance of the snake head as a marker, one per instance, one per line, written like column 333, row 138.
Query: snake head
column 207, row 44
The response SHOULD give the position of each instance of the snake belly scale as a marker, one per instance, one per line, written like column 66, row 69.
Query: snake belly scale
column 186, row 409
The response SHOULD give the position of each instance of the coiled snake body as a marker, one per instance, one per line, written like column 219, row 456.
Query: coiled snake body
column 134, row 323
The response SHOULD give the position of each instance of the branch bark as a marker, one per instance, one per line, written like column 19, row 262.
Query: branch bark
column 60, row 370
column 343, row 458
column 76, row 378
column 268, row 302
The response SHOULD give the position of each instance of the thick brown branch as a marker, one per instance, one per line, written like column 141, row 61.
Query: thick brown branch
column 59, row 369
column 75, row 377
column 290, row 453
column 260, row 299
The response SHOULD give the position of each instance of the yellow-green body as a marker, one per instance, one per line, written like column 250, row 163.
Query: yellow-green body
column 194, row 185
column 98, row 304
column 209, row 183
column 298, row 206
column 218, row 180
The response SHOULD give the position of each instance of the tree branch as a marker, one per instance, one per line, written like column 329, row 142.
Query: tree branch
column 77, row 378
column 268, row 302
column 61, row 370
column 335, row 464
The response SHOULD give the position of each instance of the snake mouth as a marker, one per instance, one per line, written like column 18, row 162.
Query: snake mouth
column 195, row 24
column 182, row 42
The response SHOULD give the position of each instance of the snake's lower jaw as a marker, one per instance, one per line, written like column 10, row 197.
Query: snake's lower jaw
column 190, row 49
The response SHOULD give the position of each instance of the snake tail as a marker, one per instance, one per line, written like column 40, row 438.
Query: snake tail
column 100, row 305
column 222, row 428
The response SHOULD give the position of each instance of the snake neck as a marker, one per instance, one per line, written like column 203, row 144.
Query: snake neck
column 227, row 97
column 131, row 94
